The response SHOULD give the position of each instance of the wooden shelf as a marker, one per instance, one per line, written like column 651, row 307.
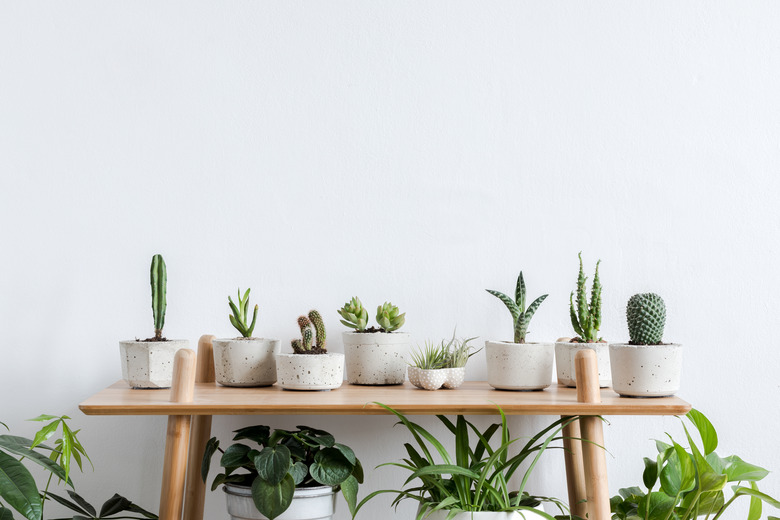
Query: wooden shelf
column 473, row 398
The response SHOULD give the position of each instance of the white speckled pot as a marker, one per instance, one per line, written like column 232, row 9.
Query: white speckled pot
column 314, row 503
column 455, row 377
column 646, row 370
column 149, row 364
column 433, row 379
column 564, row 362
column 519, row 366
column 376, row 358
column 246, row 361
column 310, row 371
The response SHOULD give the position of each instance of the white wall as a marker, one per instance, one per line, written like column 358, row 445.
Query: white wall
column 413, row 151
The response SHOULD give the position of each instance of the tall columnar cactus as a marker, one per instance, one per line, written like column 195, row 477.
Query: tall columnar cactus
column 586, row 317
column 388, row 317
column 646, row 316
column 319, row 328
column 307, row 343
column 354, row 315
column 521, row 316
column 159, row 279
column 241, row 314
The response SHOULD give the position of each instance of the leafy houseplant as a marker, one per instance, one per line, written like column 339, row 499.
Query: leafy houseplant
column 149, row 363
column 310, row 366
column 519, row 365
column 692, row 483
column 475, row 479
column 285, row 464
column 374, row 356
column 586, row 320
column 442, row 364
column 246, row 360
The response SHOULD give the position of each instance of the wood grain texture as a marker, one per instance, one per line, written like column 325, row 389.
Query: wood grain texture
column 575, row 472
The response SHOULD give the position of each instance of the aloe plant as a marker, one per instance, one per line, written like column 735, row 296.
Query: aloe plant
column 586, row 316
column 521, row 316
column 159, row 279
column 241, row 313
column 313, row 336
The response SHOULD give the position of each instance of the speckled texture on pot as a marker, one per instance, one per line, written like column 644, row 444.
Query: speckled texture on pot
column 646, row 370
column 310, row 371
column 149, row 364
column 519, row 366
column 455, row 377
column 245, row 361
column 564, row 362
column 428, row 379
column 376, row 358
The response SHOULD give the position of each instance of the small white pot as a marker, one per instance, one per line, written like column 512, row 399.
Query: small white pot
column 316, row 503
column 149, row 364
column 564, row 362
column 246, row 361
column 376, row 358
column 519, row 366
column 455, row 377
column 524, row 514
column 646, row 370
column 310, row 371
column 435, row 378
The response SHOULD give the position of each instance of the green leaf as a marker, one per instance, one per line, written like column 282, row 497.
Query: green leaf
column 299, row 472
column 512, row 306
column 679, row 474
column 18, row 488
column 83, row 503
column 660, row 505
column 273, row 499
column 235, row 456
column 650, row 475
column 742, row 491
column 16, row 445
column 5, row 514
column 222, row 478
column 330, row 467
column 258, row 434
column 738, row 470
column 45, row 433
column 754, row 513
column 211, row 447
column 115, row 504
column 347, row 452
column 709, row 436
column 67, row 503
column 273, row 463
column 44, row 417
column 349, row 488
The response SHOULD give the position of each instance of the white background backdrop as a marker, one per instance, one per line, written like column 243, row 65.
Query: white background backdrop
column 418, row 152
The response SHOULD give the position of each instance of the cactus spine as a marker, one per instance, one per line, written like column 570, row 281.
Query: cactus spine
column 586, row 317
column 309, row 325
column 521, row 316
column 159, row 280
column 646, row 316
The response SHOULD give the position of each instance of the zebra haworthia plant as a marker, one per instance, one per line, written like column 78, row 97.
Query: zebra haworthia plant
column 313, row 337
column 241, row 314
column 521, row 316
column 586, row 316
column 159, row 280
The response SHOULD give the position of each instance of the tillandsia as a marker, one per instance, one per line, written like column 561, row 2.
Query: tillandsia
column 159, row 279
column 354, row 315
column 521, row 316
column 586, row 316
column 313, row 336
column 454, row 353
column 646, row 316
column 389, row 318
column 241, row 314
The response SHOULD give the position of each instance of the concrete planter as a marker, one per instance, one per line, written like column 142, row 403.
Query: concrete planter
column 149, row 364
column 246, row 361
column 315, row 503
column 646, row 370
column 564, row 361
column 519, row 366
column 433, row 379
column 310, row 371
column 376, row 358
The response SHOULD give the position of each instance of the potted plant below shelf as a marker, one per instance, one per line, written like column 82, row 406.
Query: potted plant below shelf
column 646, row 366
column 440, row 365
column 246, row 360
column 291, row 475
column 149, row 363
column 586, row 320
column 519, row 365
column 310, row 366
column 374, row 356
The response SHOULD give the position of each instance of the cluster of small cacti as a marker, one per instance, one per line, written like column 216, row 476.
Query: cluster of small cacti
column 241, row 313
column 159, row 279
column 313, row 337
column 646, row 316
column 355, row 316
column 586, row 316
column 521, row 316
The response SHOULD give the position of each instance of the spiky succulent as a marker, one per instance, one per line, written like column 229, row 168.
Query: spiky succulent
column 521, row 316
column 159, row 279
column 388, row 317
column 241, row 314
column 308, row 344
column 354, row 314
column 646, row 316
column 586, row 317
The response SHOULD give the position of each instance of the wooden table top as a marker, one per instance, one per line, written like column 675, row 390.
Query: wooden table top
column 473, row 398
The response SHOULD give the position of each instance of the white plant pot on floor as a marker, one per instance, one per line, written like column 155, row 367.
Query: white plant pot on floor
column 310, row 371
column 564, row 361
column 246, row 361
column 149, row 364
column 519, row 366
column 646, row 370
column 316, row 503
column 524, row 514
column 376, row 358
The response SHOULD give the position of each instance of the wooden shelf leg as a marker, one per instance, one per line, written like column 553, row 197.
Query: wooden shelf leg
column 575, row 472
column 194, row 488
column 177, row 438
column 593, row 456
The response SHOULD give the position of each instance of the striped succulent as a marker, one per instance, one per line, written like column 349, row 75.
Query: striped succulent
column 309, row 344
column 586, row 317
column 646, row 316
column 521, row 316
column 388, row 317
column 354, row 314
column 241, row 314
column 159, row 280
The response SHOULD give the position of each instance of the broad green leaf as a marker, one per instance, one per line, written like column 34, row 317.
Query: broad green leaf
column 299, row 472
column 211, row 447
column 688, row 480
column 738, row 470
column 650, row 475
column 754, row 513
column 67, row 503
column 347, row 452
column 18, row 488
column 137, row 509
column 13, row 445
column 742, row 491
column 330, row 467
column 225, row 479
column 45, row 433
column 709, row 436
column 258, row 434
column 115, row 504
column 679, row 474
column 357, row 471
column 5, row 514
column 273, row 499
column 628, row 493
column 82, row 503
column 657, row 506
column 235, row 456
column 349, row 488
column 273, row 463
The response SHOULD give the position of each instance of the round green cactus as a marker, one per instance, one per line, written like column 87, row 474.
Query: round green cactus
column 646, row 315
column 354, row 314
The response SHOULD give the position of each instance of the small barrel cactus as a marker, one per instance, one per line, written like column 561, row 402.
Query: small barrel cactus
column 309, row 325
column 354, row 315
column 646, row 316
column 241, row 314
column 159, row 279
column 521, row 316
column 586, row 317
column 388, row 317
